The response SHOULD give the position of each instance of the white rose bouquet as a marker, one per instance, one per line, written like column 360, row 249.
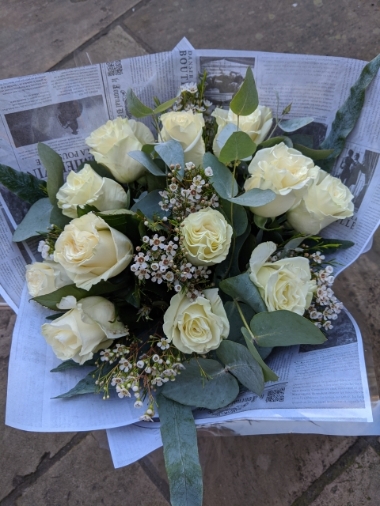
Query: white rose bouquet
column 178, row 261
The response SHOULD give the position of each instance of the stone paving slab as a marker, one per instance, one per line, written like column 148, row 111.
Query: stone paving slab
column 342, row 28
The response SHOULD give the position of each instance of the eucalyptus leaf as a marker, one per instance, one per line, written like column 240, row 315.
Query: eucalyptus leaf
column 149, row 206
column 125, row 221
column 65, row 366
column 135, row 106
column 241, row 288
column 225, row 134
column 238, row 214
column 85, row 386
column 246, row 99
column 254, row 198
column 269, row 375
column 57, row 218
column 24, row 185
column 294, row 243
column 273, row 141
column 222, row 178
column 179, row 438
column 203, row 383
column 172, row 154
column 236, row 321
column 260, row 221
column 54, row 167
column 284, row 328
column 293, row 124
column 99, row 168
column 230, row 266
column 164, row 106
column 314, row 154
column 347, row 116
column 237, row 147
column 147, row 162
column 239, row 362
column 36, row 221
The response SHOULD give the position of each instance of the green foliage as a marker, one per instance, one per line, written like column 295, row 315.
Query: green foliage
column 230, row 266
column 236, row 216
column 284, row 328
column 172, row 154
column 239, row 362
column 147, row 162
column 85, row 386
column 35, row 222
column 237, row 147
column 204, row 383
column 65, row 366
column 164, row 106
column 269, row 375
column 125, row 221
column 222, row 179
column 246, row 99
column 347, row 116
column 148, row 205
column 54, row 167
column 135, row 106
column 273, row 141
column 57, row 218
column 99, row 168
column 179, row 437
column 314, row 154
column 293, row 124
column 24, row 185
column 241, row 288
column 254, row 198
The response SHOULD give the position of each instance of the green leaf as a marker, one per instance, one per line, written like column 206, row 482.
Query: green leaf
column 260, row 221
column 241, row 288
column 65, row 366
column 347, row 116
column 230, row 266
column 125, row 221
column 284, row 328
column 273, row 141
column 239, row 362
column 172, row 154
column 269, row 375
column 149, row 206
column 164, row 106
column 314, row 154
column 293, row 124
column 99, row 168
column 254, row 198
column 222, row 178
column 204, row 383
column 236, row 321
column 179, row 438
column 36, row 221
column 239, row 216
column 147, row 162
column 246, row 99
column 57, row 218
column 24, row 185
column 135, row 106
column 237, row 147
column 54, row 167
column 85, row 386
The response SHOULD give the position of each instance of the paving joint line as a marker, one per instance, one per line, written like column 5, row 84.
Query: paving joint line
column 335, row 470
column 44, row 465
column 116, row 22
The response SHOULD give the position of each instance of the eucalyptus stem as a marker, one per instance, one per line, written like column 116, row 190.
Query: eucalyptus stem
column 244, row 320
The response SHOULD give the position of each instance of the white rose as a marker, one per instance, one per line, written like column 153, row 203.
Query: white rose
column 91, row 251
column 185, row 127
column 327, row 200
column 45, row 277
column 206, row 237
column 87, row 187
column 112, row 142
column 256, row 125
column 285, row 284
column 88, row 327
column 196, row 325
column 286, row 172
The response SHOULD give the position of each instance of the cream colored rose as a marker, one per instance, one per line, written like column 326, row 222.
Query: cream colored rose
column 206, row 237
column 87, row 187
column 92, row 251
column 45, row 277
column 286, row 172
column 196, row 325
column 327, row 200
column 285, row 284
column 256, row 125
column 89, row 326
column 111, row 143
column 185, row 127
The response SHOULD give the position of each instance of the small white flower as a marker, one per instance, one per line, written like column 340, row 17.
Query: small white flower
column 209, row 172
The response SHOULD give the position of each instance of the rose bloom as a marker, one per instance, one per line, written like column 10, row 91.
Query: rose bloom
column 256, row 125
column 185, row 127
column 285, row 284
column 327, row 200
column 196, row 325
column 206, row 237
column 89, row 326
column 45, row 277
column 87, row 187
column 286, row 172
column 111, row 143
column 92, row 251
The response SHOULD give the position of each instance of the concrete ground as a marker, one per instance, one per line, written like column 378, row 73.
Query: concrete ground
column 282, row 470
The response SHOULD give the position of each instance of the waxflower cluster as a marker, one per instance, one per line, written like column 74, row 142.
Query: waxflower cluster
column 190, row 98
